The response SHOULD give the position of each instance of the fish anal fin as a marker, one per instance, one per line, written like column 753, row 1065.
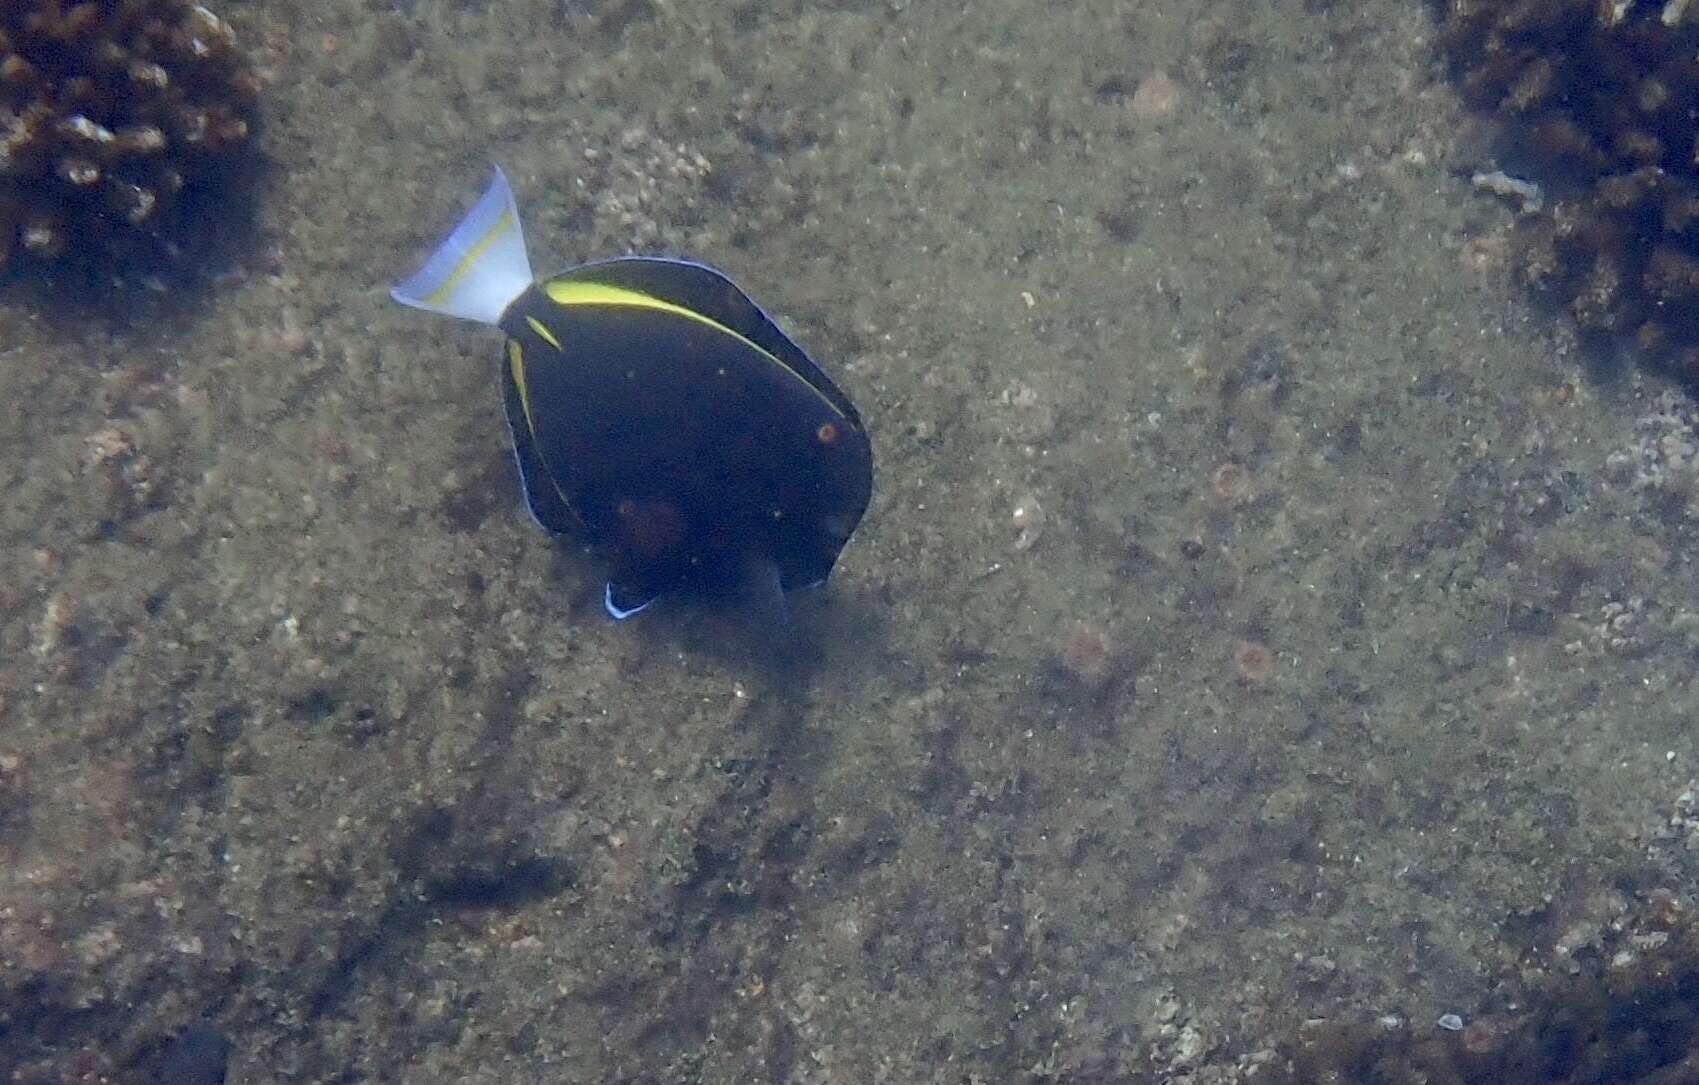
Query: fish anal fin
column 548, row 506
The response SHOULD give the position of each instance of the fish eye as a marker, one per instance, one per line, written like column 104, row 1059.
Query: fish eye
column 827, row 433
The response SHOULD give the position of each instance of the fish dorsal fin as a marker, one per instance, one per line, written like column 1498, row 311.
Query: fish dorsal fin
column 707, row 293
column 480, row 267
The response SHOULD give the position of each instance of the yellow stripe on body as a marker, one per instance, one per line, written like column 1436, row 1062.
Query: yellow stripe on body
column 572, row 292
column 464, row 264
column 516, row 366
column 543, row 330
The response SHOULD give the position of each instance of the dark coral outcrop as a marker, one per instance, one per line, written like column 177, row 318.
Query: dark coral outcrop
column 114, row 116
column 1600, row 102
column 1627, row 1018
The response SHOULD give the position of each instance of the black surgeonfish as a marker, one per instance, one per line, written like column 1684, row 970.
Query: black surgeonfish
column 658, row 414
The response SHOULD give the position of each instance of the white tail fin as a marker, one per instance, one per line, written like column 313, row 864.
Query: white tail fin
column 479, row 268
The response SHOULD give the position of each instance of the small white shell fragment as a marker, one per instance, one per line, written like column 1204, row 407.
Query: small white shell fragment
column 1500, row 183
column 1450, row 1022
column 1028, row 522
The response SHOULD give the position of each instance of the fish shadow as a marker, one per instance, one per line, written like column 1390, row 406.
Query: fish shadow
column 820, row 628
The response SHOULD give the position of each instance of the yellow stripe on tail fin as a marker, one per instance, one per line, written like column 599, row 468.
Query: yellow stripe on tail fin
column 480, row 268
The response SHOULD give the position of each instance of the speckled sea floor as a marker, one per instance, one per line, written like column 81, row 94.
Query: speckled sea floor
column 306, row 729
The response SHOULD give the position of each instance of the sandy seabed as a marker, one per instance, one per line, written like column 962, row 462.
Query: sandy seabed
column 1264, row 613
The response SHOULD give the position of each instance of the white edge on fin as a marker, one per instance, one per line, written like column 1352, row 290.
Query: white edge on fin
column 618, row 612
column 479, row 268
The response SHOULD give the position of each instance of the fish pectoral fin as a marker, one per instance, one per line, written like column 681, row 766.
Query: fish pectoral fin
column 622, row 602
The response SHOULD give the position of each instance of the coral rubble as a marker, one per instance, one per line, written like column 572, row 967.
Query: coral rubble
column 113, row 114
column 1633, row 1018
column 1601, row 97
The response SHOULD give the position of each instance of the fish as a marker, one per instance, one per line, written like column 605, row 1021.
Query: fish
column 658, row 415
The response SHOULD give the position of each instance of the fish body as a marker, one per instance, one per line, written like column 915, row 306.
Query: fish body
column 657, row 413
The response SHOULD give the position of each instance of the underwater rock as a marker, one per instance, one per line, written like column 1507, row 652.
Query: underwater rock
column 113, row 115
column 1600, row 101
